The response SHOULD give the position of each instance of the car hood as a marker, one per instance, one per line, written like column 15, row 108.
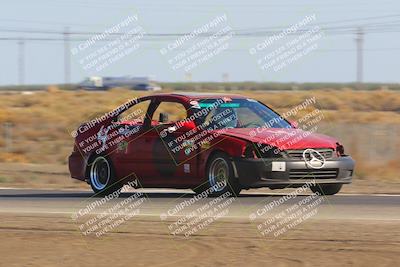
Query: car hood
column 283, row 138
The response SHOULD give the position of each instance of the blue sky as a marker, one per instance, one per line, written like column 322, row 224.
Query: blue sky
column 334, row 60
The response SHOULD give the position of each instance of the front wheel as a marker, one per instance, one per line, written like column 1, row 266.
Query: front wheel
column 102, row 178
column 220, row 176
column 326, row 189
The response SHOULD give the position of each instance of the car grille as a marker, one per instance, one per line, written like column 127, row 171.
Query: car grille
column 327, row 153
column 313, row 173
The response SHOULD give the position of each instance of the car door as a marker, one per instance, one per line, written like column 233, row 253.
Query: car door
column 164, row 161
column 130, row 155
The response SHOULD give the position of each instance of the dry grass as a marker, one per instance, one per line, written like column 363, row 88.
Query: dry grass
column 42, row 121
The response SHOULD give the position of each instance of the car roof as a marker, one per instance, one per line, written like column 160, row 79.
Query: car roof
column 199, row 95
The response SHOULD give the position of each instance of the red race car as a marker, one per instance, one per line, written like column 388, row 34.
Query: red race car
column 225, row 143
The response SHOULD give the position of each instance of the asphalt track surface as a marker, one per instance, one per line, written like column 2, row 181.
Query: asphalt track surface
column 42, row 228
column 161, row 202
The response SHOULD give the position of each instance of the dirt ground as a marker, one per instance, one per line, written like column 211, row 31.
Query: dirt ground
column 54, row 240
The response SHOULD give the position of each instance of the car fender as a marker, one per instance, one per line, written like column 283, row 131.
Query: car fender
column 229, row 145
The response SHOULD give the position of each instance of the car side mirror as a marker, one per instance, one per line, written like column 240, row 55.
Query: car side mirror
column 294, row 124
column 163, row 117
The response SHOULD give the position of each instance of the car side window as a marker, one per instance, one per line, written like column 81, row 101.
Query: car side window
column 175, row 112
column 136, row 113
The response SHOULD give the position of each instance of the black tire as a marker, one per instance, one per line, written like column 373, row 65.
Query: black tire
column 101, row 176
column 327, row 189
column 221, row 164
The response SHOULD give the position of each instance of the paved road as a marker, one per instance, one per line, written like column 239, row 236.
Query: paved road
column 72, row 228
column 176, row 203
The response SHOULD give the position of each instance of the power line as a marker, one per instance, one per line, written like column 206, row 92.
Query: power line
column 328, row 31
column 332, row 29
column 61, row 42
column 43, row 22
column 245, row 32
column 333, row 22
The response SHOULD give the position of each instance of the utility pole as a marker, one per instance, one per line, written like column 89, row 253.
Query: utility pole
column 67, row 57
column 225, row 77
column 21, row 61
column 8, row 135
column 360, row 43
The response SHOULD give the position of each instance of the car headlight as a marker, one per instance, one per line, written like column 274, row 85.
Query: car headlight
column 261, row 151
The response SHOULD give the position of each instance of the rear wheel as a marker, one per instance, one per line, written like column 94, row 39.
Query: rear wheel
column 102, row 178
column 327, row 189
column 220, row 177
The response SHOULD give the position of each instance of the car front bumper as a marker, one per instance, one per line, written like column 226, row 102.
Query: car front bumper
column 255, row 173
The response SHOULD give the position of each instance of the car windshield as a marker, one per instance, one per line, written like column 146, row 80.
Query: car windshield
column 236, row 113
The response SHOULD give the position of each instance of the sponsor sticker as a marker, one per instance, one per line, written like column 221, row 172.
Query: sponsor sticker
column 194, row 104
column 186, row 168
